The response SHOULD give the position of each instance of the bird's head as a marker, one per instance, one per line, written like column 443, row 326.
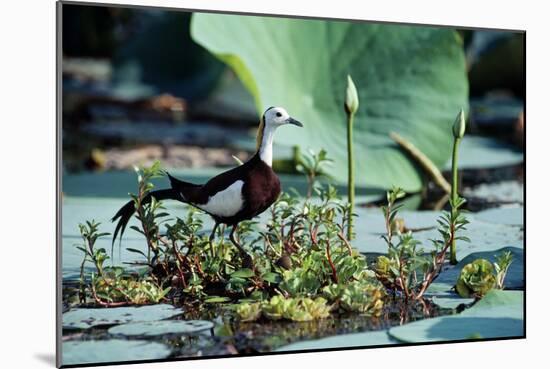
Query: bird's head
column 274, row 117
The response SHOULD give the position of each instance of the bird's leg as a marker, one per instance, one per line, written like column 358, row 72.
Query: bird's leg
column 247, row 259
column 234, row 240
column 211, row 238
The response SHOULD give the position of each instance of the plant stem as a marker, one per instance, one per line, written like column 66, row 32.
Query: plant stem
column 454, row 195
column 98, row 266
column 82, row 284
column 351, row 175
column 334, row 275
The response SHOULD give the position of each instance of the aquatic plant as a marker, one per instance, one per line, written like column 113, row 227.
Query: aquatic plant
column 350, row 106
column 302, row 249
column 248, row 312
column 363, row 296
column 147, row 213
column 459, row 128
column 298, row 309
column 480, row 276
column 89, row 231
column 112, row 286
column 406, row 269
column 476, row 279
column 502, row 264
column 313, row 165
column 90, row 234
column 119, row 288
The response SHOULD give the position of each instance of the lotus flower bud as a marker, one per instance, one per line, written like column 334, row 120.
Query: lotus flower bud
column 459, row 127
column 352, row 100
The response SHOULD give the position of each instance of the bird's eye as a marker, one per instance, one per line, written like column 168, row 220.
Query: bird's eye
column 279, row 114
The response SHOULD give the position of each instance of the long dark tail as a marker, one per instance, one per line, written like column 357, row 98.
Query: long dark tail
column 125, row 213
column 181, row 186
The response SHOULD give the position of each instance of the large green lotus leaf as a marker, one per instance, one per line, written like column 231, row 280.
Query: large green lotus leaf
column 410, row 79
column 498, row 314
column 376, row 338
column 83, row 318
column 161, row 328
column 91, row 352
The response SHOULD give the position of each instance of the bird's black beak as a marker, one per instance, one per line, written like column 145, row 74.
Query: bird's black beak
column 293, row 121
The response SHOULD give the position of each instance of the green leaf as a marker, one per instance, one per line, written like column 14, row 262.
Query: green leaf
column 217, row 299
column 243, row 273
column 271, row 277
column 136, row 251
column 410, row 80
column 135, row 228
column 82, row 249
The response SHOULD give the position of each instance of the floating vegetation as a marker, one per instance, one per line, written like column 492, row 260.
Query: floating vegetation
column 480, row 276
column 304, row 266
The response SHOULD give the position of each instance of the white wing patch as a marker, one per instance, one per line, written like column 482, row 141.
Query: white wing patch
column 225, row 203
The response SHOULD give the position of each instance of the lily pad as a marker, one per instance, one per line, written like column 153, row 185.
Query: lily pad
column 163, row 327
column 498, row 314
column 92, row 352
column 375, row 338
column 481, row 152
column 506, row 191
column 410, row 80
column 503, row 215
column 83, row 318
column 442, row 295
column 452, row 301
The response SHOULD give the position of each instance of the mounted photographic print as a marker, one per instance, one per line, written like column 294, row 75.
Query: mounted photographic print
column 236, row 184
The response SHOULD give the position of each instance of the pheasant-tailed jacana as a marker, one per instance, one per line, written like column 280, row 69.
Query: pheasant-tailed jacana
column 238, row 194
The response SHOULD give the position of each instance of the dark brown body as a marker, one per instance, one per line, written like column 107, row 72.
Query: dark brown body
column 260, row 190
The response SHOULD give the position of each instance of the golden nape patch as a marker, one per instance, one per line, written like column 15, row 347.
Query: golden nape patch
column 260, row 134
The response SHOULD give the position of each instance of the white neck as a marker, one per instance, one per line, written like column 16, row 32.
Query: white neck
column 266, row 147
